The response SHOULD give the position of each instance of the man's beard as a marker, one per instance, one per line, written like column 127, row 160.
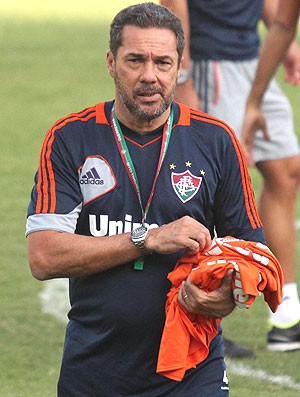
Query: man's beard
column 135, row 109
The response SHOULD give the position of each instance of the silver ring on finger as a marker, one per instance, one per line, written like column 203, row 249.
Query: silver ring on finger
column 185, row 296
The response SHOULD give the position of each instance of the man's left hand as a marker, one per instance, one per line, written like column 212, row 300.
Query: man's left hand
column 216, row 304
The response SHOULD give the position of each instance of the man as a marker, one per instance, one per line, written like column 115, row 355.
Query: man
column 219, row 65
column 123, row 189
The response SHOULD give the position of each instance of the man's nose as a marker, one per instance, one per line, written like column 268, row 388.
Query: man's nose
column 149, row 73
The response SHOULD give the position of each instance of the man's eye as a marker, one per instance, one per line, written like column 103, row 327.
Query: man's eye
column 135, row 60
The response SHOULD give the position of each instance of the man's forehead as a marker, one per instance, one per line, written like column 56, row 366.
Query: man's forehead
column 145, row 39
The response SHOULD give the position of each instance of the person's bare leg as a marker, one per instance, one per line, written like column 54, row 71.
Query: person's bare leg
column 281, row 179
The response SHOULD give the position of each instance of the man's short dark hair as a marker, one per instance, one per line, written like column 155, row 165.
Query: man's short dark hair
column 145, row 15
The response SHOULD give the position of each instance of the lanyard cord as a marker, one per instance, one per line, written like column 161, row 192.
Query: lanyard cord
column 128, row 163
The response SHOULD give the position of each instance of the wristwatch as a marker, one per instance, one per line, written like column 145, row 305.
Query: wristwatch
column 185, row 74
column 138, row 237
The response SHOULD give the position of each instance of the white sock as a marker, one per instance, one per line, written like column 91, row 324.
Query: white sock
column 288, row 313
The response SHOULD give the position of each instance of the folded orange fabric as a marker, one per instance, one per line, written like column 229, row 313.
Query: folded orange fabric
column 186, row 337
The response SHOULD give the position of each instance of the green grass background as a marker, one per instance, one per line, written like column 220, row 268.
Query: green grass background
column 53, row 62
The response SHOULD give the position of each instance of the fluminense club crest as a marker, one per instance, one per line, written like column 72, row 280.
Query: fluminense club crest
column 185, row 185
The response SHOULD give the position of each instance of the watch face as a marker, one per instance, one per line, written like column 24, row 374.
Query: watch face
column 139, row 232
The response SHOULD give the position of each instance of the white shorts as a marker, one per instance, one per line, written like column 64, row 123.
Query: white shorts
column 223, row 87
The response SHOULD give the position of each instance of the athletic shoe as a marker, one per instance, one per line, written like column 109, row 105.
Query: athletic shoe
column 233, row 350
column 284, row 339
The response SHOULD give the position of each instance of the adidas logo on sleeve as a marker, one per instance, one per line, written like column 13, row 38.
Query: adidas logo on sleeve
column 96, row 178
column 91, row 177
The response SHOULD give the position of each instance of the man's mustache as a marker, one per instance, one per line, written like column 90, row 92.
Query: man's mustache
column 148, row 89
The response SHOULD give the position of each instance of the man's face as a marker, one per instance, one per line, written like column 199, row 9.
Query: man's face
column 145, row 71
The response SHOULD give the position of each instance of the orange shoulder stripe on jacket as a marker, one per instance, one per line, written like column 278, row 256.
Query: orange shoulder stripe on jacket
column 46, row 180
column 250, row 203
column 184, row 115
column 100, row 114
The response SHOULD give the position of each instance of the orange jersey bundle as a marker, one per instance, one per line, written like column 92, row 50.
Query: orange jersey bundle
column 186, row 337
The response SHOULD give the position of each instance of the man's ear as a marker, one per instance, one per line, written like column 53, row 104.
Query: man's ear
column 180, row 67
column 110, row 61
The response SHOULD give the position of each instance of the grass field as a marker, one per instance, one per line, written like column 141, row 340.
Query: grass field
column 52, row 63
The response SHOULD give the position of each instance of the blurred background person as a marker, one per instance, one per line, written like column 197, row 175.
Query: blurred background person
column 220, row 61
column 281, row 33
